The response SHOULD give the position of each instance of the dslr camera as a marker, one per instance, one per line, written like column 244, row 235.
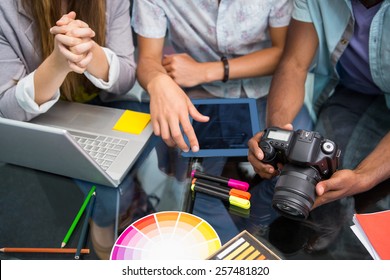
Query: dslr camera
column 307, row 158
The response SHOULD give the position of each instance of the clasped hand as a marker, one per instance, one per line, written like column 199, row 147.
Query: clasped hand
column 73, row 42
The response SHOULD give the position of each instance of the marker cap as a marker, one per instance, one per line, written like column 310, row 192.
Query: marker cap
column 239, row 202
column 241, row 194
column 240, row 185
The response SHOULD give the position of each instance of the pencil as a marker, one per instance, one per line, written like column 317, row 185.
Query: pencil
column 78, row 216
column 43, row 250
column 83, row 234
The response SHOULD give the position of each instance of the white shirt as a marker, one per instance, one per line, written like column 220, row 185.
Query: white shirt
column 25, row 93
column 207, row 30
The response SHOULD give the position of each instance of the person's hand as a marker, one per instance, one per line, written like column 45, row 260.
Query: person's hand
column 170, row 108
column 73, row 39
column 341, row 184
column 256, row 155
column 184, row 70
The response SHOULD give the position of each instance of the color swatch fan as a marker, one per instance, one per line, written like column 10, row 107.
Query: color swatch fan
column 167, row 235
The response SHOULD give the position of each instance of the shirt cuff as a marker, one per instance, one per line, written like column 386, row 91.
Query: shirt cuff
column 113, row 71
column 25, row 96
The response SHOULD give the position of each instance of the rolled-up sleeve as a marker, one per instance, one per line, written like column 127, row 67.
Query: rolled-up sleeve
column 148, row 19
column 113, row 73
column 25, row 96
column 119, row 50
column 301, row 11
column 280, row 14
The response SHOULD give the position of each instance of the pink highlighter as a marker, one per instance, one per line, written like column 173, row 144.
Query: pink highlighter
column 240, row 185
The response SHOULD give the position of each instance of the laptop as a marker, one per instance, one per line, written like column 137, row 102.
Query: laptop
column 74, row 140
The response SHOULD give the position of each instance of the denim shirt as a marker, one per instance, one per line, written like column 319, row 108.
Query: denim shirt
column 207, row 30
column 334, row 23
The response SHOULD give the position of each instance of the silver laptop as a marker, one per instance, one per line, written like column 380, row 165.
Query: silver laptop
column 75, row 140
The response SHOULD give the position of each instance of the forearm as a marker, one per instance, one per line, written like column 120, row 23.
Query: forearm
column 149, row 72
column 48, row 78
column 98, row 67
column 375, row 168
column 260, row 63
column 286, row 95
column 287, row 90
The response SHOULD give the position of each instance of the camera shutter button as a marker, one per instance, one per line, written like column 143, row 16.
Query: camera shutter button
column 328, row 147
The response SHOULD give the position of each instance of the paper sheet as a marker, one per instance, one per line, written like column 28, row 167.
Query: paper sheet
column 363, row 238
column 132, row 122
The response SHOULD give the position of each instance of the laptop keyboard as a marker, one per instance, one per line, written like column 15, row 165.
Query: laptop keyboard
column 102, row 149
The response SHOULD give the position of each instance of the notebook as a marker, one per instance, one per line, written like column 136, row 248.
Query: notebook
column 373, row 230
column 74, row 140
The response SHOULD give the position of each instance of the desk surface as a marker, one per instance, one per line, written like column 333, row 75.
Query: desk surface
column 37, row 208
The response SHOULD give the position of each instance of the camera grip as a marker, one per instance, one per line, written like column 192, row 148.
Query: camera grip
column 269, row 153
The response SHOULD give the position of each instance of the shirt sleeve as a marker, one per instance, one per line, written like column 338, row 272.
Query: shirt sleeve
column 148, row 19
column 280, row 14
column 25, row 96
column 301, row 11
column 119, row 48
column 113, row 71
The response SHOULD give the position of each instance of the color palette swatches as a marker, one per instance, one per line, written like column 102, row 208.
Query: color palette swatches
column 244, row 247
column 167, row 235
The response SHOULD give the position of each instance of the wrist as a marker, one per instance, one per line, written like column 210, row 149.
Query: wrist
column 157, row 82
column 365, row 179
column 214, row 71
column 57, row 64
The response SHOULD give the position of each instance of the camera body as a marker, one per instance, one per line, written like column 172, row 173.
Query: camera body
column 307, row 157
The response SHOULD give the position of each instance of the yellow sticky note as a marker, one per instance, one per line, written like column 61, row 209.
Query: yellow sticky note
column 132, row 122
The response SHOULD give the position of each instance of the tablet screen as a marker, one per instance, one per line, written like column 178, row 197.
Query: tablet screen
column 232, row 123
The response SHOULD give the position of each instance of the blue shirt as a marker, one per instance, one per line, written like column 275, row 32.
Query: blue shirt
column 207, row 30
column 334, row 23
column 354, row 65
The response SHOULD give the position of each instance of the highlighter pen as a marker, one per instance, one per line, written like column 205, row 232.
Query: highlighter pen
column 240, row 185
column 223, row 189
column 245, row 213
column 236, row 201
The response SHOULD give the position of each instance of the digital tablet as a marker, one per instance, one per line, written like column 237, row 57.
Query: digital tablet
column 233, row 121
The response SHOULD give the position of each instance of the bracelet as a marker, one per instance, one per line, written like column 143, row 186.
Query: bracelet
column 225, row 69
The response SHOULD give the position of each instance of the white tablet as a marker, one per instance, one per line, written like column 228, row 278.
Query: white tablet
column 233, row 121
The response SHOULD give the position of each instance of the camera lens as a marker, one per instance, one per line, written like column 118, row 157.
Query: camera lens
column 295, row 191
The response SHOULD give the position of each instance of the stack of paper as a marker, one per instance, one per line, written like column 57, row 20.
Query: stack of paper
column 373, row 230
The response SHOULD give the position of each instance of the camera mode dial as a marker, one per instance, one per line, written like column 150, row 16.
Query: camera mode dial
column 328, row 147
column 268, row 150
